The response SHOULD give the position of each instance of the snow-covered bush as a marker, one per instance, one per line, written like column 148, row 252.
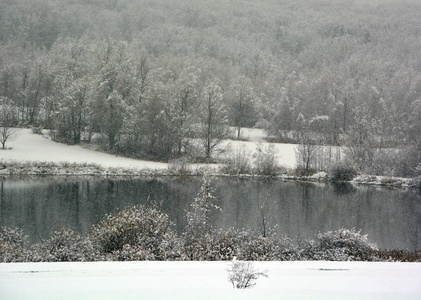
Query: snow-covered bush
column 343, row 244
column 228, row 244
column 261, row 248
column 179, row 166
column 64, row 245
column 243, row 275
column 12, row 244
column 225, row 245
column 238, row 162
column 343, row 173
column 399, row 255
column 216, row 245
column 203, row 249
column 130, row 253
column 145, row 228
column 265, row 160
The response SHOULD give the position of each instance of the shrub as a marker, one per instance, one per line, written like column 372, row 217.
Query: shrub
column 344, row 244
column 64, row 245
column 225, row 245
column 265, row 160
column 243, row 275
column 238, row 162
column 228, row 243
column 259, row 248
column 203, row 249
column 215, row 245
column 179, row 166
column 37, row 130
column 399, row 255
column 12, row 244
column 343, row 173
column 146, row 229
column 302, row 171
column 130, row 253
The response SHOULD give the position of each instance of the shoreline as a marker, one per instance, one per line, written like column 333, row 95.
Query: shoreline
column 34, row 168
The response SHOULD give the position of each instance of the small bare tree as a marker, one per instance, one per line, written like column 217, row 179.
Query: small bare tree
column 213, row 119
column 307, row 151
column 6, row 134
column 239, row 161
column 264, row 222
column 8, row 121
column 243, row 274
column 265, row 160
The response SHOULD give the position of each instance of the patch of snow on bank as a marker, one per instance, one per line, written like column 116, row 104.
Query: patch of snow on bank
column 284, row 153
column 383, row 180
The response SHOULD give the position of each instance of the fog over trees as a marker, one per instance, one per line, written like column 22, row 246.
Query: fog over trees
column 154, row 79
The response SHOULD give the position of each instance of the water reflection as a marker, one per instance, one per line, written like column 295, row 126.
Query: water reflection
column 390, row 217
column 343, row 188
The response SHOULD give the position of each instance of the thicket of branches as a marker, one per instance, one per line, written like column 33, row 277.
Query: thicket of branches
column 150, row 76
column 135, row 241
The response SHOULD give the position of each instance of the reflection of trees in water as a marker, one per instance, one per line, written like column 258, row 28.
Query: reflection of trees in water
column 388, row 216
column 343, row 188
column 414, row 212
column 305, row 202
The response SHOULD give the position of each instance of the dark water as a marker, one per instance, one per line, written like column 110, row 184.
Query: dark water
column 390, row 217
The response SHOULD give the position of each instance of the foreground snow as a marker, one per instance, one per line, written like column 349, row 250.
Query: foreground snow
column 208, row 280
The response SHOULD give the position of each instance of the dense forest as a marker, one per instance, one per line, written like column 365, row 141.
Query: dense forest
column 154, row 79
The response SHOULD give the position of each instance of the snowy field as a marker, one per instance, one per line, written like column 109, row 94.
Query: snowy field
column 208, row 280
column 33, row 147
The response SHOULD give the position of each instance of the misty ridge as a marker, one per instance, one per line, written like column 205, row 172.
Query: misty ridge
column 165, row 80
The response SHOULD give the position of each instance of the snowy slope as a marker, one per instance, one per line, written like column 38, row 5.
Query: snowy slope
column 33, row 147
column 208, row 280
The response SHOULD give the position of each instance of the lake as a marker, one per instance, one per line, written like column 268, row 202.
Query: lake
column 390, row 217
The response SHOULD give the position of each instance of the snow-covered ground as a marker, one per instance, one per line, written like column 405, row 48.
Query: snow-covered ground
column 255, row 135
column 209, row 280
column 34, row 147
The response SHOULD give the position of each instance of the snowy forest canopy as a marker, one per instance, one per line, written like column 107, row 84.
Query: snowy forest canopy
column 149, row 74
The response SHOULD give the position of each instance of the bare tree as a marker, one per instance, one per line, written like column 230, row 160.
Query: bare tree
column 213, row 120
column 360, row 141
column 8, row 121
column 306, row 153
column 241, row 106
column 6, row 134
column 264, row 223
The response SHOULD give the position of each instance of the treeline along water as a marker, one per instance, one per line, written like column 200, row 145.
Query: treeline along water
column 390, row 217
